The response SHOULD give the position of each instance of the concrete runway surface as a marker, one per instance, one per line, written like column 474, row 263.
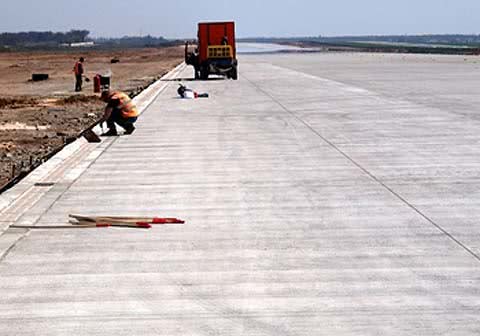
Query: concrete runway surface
column 324, row 194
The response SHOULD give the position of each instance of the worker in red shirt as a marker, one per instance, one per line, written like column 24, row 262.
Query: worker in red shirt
column 79, row 70
column 120, row 110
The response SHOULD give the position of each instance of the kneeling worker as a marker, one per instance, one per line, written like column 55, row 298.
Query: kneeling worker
column 119, row 110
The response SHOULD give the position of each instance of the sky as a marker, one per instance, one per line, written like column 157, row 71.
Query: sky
column 270, row 18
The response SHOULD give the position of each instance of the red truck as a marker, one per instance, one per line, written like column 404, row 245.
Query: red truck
column 216, row 52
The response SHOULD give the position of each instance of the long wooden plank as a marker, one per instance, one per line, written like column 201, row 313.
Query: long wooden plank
column 112, row 219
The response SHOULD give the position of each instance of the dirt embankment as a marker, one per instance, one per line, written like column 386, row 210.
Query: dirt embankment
column 36, row 118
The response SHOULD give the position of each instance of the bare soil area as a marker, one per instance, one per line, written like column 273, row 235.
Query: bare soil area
column 37, row 118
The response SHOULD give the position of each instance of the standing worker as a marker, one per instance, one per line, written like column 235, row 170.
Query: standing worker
column 79, row 71
column 119, row 110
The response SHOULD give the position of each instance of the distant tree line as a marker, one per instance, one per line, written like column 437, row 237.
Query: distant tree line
column 54, row 40
column 133, row 41
column 34, row 38
column 447, row 39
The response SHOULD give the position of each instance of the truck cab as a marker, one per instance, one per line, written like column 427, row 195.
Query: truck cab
column 216, row 50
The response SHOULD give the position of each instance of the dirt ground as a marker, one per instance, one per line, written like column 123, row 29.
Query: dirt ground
column 37, row 118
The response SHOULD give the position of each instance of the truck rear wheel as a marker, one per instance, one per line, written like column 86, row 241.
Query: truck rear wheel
column 204, row 73
column 234, row 73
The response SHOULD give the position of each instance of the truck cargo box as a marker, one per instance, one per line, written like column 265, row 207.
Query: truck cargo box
column 214, row 34
column 216, row 52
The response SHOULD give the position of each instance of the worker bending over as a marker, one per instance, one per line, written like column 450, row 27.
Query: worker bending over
column 119, row 110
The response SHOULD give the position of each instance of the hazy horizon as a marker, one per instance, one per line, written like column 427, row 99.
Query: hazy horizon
column 253, row 18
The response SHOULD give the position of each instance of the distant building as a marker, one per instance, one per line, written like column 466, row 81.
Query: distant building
column 78, row 44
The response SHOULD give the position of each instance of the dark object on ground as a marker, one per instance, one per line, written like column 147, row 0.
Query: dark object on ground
column 181, row 90
column 39, row 77
column 114, row 60
column 90, row 136
column 185, row 92
column 87, row 79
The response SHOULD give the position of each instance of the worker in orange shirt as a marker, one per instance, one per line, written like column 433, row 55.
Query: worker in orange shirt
column 79, row 70
column 120, row 110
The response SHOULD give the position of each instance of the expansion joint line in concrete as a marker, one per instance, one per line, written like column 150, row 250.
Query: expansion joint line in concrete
column 364, row 170
column 11, row 247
